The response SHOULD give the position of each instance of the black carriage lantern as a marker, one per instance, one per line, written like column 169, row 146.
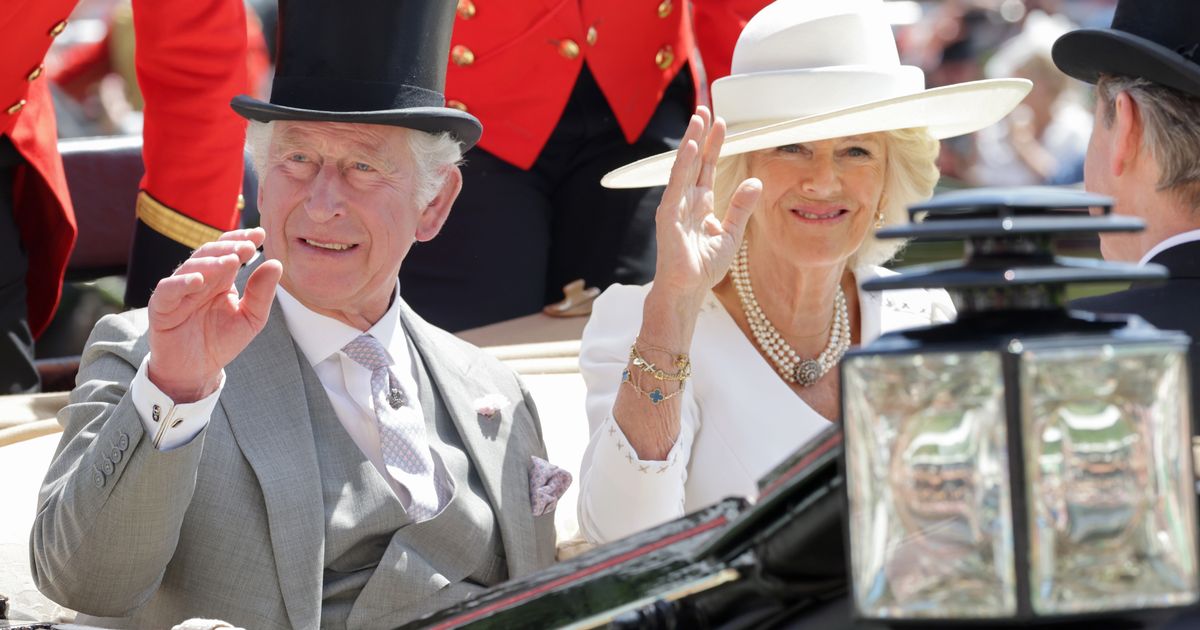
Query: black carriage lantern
column 1025, row 463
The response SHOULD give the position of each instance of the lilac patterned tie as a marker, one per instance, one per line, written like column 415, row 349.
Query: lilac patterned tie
column 402, row 435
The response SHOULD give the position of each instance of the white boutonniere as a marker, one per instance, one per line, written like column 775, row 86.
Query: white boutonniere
column 490, row 404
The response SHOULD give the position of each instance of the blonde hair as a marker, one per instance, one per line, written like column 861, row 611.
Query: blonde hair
column 909, row 177
column 1172, row 123
column 432, row 154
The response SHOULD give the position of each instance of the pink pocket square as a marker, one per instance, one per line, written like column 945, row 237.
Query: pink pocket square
column 547, row 483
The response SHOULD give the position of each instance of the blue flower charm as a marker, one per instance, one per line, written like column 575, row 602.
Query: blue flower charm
column 625, row 375
column 656, row 396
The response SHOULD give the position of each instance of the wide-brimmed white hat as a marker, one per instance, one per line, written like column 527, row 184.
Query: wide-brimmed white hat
column 806, row 70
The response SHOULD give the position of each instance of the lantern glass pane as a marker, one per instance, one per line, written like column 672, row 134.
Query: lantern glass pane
column 927, row 474
column 1108, row 472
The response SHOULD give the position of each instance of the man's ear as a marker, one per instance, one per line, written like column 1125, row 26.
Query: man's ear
column 1126, row 134
column 433, row 217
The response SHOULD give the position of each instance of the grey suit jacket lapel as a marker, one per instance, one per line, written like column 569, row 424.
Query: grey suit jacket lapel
column 499, row 447
column 268, row 412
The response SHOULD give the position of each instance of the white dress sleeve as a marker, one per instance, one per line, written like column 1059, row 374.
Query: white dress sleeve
column 941, row 307
column 620, row 493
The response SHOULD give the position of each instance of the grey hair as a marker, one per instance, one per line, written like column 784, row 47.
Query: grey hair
column 432, row 153
column 910, row 176
column 1172, row 123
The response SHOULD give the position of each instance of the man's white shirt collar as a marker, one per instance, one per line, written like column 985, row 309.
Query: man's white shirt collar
column 319, row 336
column 1178, row 239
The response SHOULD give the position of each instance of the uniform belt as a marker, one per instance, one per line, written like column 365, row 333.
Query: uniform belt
column 172, row 224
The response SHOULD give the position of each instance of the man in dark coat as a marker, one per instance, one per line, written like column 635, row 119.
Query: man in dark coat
column 1145, row 152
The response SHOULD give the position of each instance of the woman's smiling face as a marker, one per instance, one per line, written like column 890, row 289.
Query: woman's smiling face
column 819, row 198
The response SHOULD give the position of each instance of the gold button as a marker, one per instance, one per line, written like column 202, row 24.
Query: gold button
column 664, row 58
column 456, row 105
column 568, row 48
column 16, row 107
column 466, row 9
column 664, row 8
column 37, row 72
column 462, row 56
column 57, row 29
column 591, row 36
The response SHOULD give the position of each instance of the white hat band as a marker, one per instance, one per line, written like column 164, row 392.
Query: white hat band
column 766, row 97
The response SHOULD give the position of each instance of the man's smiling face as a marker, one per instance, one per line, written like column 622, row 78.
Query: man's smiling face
column 339, row 203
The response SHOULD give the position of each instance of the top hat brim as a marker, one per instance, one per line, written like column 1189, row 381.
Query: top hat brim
column 1087, row 53
column 946, row 112
column 463, row 126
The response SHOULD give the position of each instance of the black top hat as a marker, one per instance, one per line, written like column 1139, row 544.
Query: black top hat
column 1157, row 40
column 364, row 61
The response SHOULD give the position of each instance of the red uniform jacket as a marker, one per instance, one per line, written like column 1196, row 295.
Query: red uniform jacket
column 190, row 57
column 513, row 64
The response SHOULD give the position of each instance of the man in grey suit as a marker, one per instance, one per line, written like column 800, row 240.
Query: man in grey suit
column 277, row 440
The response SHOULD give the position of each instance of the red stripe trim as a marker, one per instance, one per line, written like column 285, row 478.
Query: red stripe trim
column 802, row 464
column 578, row 575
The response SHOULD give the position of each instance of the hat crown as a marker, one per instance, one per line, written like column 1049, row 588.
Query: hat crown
column 1173, row 24
column 798, row 34
column 799, row 58
column 364, row 61
column 362, row 55
column 1155, row 40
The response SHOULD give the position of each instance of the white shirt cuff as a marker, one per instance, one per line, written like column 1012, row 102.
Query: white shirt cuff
column 169, row 425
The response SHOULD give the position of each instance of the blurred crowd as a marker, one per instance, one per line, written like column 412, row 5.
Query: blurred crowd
column 1044, row 140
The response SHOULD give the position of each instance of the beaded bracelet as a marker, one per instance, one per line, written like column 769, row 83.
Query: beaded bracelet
column 682, row 363
column 655, row 395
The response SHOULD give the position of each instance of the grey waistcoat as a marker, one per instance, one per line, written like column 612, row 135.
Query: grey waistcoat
column 381, row 569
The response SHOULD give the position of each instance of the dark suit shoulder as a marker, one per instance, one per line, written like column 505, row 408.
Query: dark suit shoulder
column 1182, row 261
column 1170, row 305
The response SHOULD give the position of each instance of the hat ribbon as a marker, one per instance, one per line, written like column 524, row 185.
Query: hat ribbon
column 1189, row 52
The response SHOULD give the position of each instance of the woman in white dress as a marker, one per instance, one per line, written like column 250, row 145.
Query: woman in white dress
column 707, row 378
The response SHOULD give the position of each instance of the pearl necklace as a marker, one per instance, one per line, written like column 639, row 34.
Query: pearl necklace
column 806, row 372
